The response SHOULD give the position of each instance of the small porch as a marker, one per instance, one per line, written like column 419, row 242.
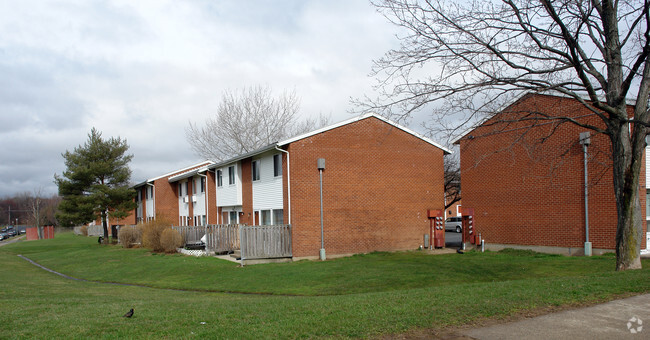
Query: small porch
column 249, row 244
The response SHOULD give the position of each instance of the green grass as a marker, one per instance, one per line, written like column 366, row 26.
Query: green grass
column 360, row 296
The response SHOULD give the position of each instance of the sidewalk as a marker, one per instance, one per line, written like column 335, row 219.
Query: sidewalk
column 12, row 240
column 620, row 319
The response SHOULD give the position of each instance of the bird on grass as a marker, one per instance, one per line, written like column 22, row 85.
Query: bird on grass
column 129, row 313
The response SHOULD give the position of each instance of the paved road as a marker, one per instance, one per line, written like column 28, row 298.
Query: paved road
column 453, row 239
column 620, row 319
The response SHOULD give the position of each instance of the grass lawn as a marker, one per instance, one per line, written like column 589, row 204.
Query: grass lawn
column 360, row 296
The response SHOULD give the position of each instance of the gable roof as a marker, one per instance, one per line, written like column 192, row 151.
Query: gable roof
column 189, row 173
column 324, row 129
column 186, row 169
column 522, row 96
column 243, row 156
column 359, row 118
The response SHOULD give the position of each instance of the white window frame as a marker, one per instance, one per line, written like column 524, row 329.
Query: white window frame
column 277, row 165
column 256, row 169
column 232, row 176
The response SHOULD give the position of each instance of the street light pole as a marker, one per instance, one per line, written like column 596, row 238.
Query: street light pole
column 321, row 167
column 585, row 140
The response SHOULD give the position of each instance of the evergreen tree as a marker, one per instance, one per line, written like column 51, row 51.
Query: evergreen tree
column 96, row 182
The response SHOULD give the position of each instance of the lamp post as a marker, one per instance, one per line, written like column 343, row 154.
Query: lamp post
column 585, row 140
column 321, row 167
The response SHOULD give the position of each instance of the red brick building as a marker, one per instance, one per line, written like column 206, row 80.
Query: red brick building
column 525, row 179
column 181, row 197
column 379, row 180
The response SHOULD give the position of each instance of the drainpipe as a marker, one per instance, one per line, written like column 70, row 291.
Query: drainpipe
column 288, row 181
column 585, row 141
column 206, row 200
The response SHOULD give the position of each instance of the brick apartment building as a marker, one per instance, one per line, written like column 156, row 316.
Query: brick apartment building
column 176, row 197
column 380, row 179
column 530, row 194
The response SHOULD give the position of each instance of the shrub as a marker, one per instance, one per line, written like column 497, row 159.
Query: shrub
column 170, row 239
column 84, row 230
column 130, row 236
column 151, row 232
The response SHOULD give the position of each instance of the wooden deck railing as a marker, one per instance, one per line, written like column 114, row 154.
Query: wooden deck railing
column 264, row 242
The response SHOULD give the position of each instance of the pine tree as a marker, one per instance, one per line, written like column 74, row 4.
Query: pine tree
column 96, row 182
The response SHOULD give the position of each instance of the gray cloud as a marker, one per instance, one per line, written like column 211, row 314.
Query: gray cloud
column 141, row 70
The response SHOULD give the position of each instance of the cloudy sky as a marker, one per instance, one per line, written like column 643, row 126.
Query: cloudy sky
column 142, row 69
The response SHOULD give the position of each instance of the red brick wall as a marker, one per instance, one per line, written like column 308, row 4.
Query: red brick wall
column 211, row 194
column 529, row 193
column 32, row 233
column 166, row 200
column 130, row 219
column 246, row 217
column 378, row 183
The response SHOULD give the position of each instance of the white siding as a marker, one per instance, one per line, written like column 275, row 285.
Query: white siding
column 150, row 192
column 267, row 191
column 647, row 167
column 140, row 202
column 198, row 206
column 229, row 194
column 183, row 206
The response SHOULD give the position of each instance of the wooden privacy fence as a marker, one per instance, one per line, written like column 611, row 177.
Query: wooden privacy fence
column 220, row 238
column 223, row 237
column 265, row 242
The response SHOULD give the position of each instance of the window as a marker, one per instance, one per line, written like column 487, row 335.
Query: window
column 278, row 216
column 139, row 196
column 204, row 220
column 256, row 170
column 233, row 217
column 266, row 217
column 185, row 187
column 231, row 175
column 195, row 186
column 149, row 192
column 277, row 165
column 180, row 189
column 219, row 178
column 202, row 184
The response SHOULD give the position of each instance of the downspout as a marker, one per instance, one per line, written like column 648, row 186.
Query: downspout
column 153, row 193
column 288, row 181
column 585, row 141
column 206, row 200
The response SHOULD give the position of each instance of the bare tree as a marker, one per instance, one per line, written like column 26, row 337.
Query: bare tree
column 247, row 120
column 471, row 56
column 452, row 180
column 35, row 207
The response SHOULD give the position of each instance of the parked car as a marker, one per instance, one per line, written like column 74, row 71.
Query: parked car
column 3, row 236
column 11, row 231
column 454, row 224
